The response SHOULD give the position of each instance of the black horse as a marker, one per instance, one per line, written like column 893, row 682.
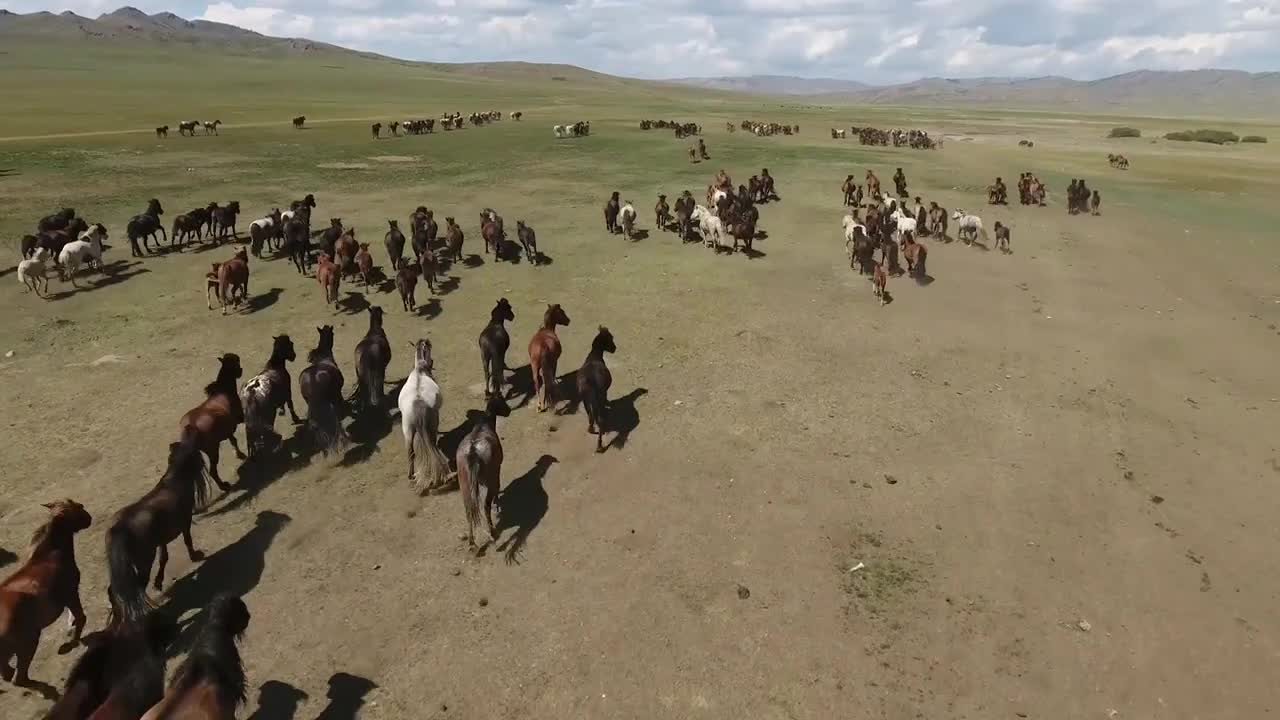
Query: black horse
column 144, row 227
column 373, row 355
column 494, row 342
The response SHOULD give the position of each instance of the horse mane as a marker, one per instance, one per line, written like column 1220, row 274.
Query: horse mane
column 43, row 531
column 186, row 462
column 214, row 656
column 223, row 383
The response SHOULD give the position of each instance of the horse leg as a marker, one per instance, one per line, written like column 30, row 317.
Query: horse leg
column 25, row 652
column 212, row 452
column 192, row 553
column 490, row 495
column 164, row 562
column 409, row 436
column 486, row 363
column 77, row 619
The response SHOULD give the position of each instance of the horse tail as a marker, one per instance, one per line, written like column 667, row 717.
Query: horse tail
column 470, row 488
column 129, row 602
column 325, row 425
column 430, row 469
column 186, row 464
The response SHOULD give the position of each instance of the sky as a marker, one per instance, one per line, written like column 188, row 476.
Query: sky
column 874, row 41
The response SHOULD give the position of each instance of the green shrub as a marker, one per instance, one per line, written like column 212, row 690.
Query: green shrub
column 1125, row 132
column 1217, row 137
column 1253, row 139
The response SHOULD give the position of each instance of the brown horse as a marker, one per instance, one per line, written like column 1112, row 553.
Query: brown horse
column 494, row 342
column 120, row 676
column 344, row 251
column 217, row 418
column 492, row 239
column 233, row 280
column 454, row 237
column 480, row 465
column 873, row 184
column 594, row 381
column 544, row 354
column 406, row 283
column 329, row 277
column 662, row 213
column 430, row 268
column 34, row 596
column 210, row 682
column 364, row 265
column 915, row 254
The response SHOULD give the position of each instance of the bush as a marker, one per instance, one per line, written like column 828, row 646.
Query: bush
column 1217, row 137
column 1253, row 139
column 1125, row 132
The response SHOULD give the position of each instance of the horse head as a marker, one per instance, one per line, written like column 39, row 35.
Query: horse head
column 283, row 348
column 230, row 365
column 422, row 355
column 604, row 341
column 555, row 315
column 68, row 515
column 502, row 311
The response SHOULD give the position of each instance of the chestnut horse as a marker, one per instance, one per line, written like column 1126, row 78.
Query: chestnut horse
column 149, row 525
column 544, row 354
column 329, row 277
column 34, row 596
column 210, row 683
column 364, row 265
column 217, row 418
column 233, row 280
column 455, row 237
column 594, row 381
column 121, row 675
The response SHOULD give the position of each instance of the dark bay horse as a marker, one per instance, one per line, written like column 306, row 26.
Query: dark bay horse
column 373, row 355
column 593, row 384
column 494, row 342
column 144, row 227
column 35, row 594
column 321, row 384
column 455, row 236
column 297, row 239
column 217, row 418
column 544, row 355
column 224, row 221
column 528, row 240
column 266, row 395
column 120, row 675
column 480, row 466
column 210, row 682
column 149, row 525
column 394, row 243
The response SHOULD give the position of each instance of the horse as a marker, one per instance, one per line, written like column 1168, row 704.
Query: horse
column 78, row 252
column 162, row 131
column 184, row 226
column 684, row 217
column 261, row 231
column 329, row 238
column 32, row 272
column 376, row 128
column 903, row 222
column 299, row 121
column 611, row 209
column 662, row 213
column 880, row 283
column 329, row 277
column 297, row 240
column 393, row 241
column 345, row 251
column 454, row 239
column 364, row 265
column 544, row 355
column 224, row 220
column 211, row 128
column 711, row 227
column 594, row 380
column 1002, row 237
column 144, row 227
column 307, row 203
column 968, row 227
column 479, row 461
column 627, row 220
column 494, row 342
column 418, row 219
column 267, row 394
column 209, row 684
column 1095, row 200
column 35, row 594
column 321, row 385
column 916, row 254
column 217, row 418
column 492, row 238
column 420, row 402
column 148, row 525
column 120, row 675
column 491, row 215
column 188, row 127
column 430, row 265
column 406, row 283
column 233, row 280
column 373, row 355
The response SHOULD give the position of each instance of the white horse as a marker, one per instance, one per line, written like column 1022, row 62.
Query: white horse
column 712, row 229
column 561, row 131
column 906, row 223
column 717, row 196
column 969, row 227
column 31, row 272
column 627, row 219
column 420, row 402
column 88, row 249
column 851, row 228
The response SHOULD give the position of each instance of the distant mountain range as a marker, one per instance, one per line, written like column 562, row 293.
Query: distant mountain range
column 1216, row 93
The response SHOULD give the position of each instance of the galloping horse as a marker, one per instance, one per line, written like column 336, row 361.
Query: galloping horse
column 544, row 355
column 210, row 683
column 480, row 465
column 494, row 342
column 217, row 418
column 267, row 394
column 420, row 402
column 321, row 384
column 34, row 596
column 373, row 355
column 233, row 282
column 144, row 227
column 121, row 675
column 594, row 381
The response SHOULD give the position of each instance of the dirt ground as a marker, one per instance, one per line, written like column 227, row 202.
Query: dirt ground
column 1042, row 485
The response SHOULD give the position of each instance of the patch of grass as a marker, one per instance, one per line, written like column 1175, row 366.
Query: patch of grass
column 1125, row 132
column 1216, row 137
column 884, row 581
column 1253, row 139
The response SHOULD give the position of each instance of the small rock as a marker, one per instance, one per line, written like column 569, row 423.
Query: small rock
column 378, row 566
column 858, row 567
column 444, row 708
column 1157, row 499
column 9, row 354
column 1084, row 625
column 678, row 403
column 743, row 592
column 891, row 479
column 456, row 572
column 484, row 602
column 1128, row 474
column 1021, row 714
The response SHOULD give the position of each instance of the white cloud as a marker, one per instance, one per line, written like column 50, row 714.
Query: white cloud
column 266, row 20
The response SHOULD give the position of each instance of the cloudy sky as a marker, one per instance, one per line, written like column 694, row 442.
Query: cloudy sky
column 878, row 41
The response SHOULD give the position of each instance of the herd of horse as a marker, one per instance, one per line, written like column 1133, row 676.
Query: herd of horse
column 188, row 128
column 448, row 121
column 918, row 139
column 681, row 129
column 766, row 129
column 582, row 128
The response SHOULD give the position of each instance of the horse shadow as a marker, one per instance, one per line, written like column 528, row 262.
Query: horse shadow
column 113, row 273
column 8, row 271
column 639, row 234
column 979, row 244
column 621, row 417
column 262, row 301
column 353, row 304
column 566, row 390
column 511, row 251
column 762, row 235
column 8, row 172
column 205, row 247
column 540, row 258
column 473, row 261
column 368, row 429
column 521, row 385
column 448, row 285
column 7, row 557
column 277, row 701
column 753, row 254
column 923, row 279
column 261, row 472
column 430, row 309
column 235, row 569
column 346, row 696
column 521, row 505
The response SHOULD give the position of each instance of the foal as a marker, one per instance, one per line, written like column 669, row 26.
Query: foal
column 373, row 355
column 267, row 394
column 494, row 342
column 34, row 596
column 150, row 524
column 593, row 384
column 544, row 354
column 217, row 418
column 210, row 683
column 321, row 385
column 480, row 464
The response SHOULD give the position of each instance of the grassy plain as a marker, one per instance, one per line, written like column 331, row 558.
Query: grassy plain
column 1082, row 430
